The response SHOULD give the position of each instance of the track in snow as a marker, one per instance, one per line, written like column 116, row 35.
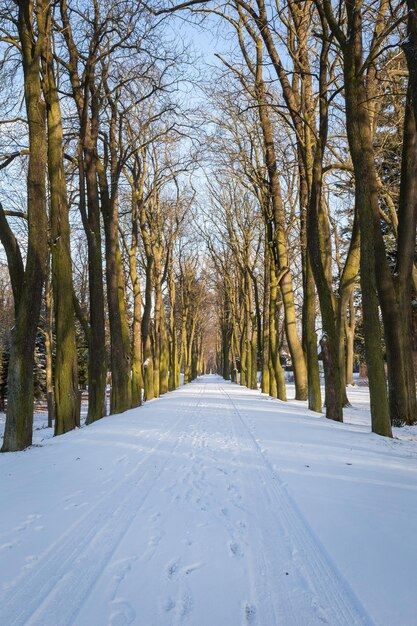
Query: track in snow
column 281, row 537
column 200, row 531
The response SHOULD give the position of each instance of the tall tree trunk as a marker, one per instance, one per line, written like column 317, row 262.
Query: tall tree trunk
column 278, row 387
column 281, row 258
column 120, row 360
column 137, row 378
column 319, row 247
column 121, row 396
column 148, row 366
column 183, row 346
column 97, row 358
column 27, row 289
column 309, row 322
column 173, row 346
column 226, row 334
column 360, row 90
column 265, row 380
column 158, row 325
column 66, row 367
column 407, row 213
column 164, row 363
column 86, row 100
column 350, row 336
column 243, row 357
column 235, row 349
column 360, row 143
column 329, row 341
column 191, row 350
column 357, row 120
column 48, row 347
column 248, row 329
column 344, row 329
column 254, row 355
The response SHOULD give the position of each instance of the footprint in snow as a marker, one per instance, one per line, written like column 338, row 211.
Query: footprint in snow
column 192, row 567
column 169, row 604
column 172, row 569
column 186, row 605
column 155, row 538
column 121, row 613
column 250, row 614
column 72, row 496
column 236, row 550
column 28, row 521
column 120, row 568
column 30, row 562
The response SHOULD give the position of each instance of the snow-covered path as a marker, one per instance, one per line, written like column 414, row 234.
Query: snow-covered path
column 212, row 506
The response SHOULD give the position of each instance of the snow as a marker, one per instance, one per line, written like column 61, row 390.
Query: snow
column 212, row 506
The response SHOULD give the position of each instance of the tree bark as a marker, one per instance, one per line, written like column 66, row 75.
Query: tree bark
column 66, row 367
column 281, row 258
column 366, row 201
column 86, row 101
column 265, row 380
column 27, row 292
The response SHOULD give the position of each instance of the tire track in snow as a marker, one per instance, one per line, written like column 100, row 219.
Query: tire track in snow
column 330, row 598
column 53, row 592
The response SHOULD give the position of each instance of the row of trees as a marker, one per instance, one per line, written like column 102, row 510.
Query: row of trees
column 104, row 246
column 307, row 142
column 322, row 113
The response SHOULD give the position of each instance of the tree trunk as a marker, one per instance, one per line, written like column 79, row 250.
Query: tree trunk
column 280, row 240
column 329, row 342
column 137, row 378
column 310, row 335
column 173, row 346
column 48, row 348
column 164, row 358
column 360, row 143
column 19, row 417
column 97, row 358
column 407, row 213
column 157, row 342
column 184, row 347
column 265, row 380
column 350, row 336
column 120, row 360
column 279, row 377
column 86, row 100
column 346, row 287
column 148, row 376
column 66, row 366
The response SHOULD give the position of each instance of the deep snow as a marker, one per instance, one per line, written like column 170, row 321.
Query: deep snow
column 212, row 506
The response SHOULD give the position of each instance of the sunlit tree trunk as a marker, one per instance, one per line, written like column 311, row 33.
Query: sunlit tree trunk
column 366, row 202
column 49, row 347
column 278, row 388
column 66, row 368
column 173, row 381
column 265, row 379
column 137, row 361
column 86, row 100
column 294, row 343
column 27, row 282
